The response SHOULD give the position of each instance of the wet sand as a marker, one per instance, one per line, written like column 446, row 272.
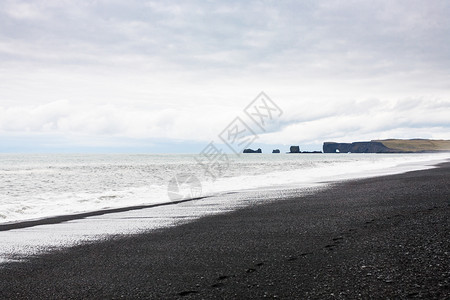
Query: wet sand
column 384, row 237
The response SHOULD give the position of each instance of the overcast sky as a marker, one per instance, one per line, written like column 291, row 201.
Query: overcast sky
column 157, row 76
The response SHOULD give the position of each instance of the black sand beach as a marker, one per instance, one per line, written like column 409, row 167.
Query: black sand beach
column 378, row 238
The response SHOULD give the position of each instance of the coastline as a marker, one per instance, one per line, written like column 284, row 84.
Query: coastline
column 378, row 237
column 311, row 183
column 69, row 192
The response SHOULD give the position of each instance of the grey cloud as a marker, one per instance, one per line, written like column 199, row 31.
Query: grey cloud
column 333, row 36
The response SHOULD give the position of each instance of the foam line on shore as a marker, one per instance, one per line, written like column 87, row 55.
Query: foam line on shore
column 65, row 218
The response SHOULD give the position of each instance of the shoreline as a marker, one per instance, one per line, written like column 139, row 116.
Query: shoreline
column 57, row 219
column 78, row 216
column 378, row 237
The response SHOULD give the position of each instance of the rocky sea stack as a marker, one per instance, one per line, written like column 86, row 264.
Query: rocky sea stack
column 295, row 149
column 252, row 151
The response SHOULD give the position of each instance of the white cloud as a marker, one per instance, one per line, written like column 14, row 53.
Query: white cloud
column 63, row 117
column 23, row 11
column 425, row 118
column 352, row 120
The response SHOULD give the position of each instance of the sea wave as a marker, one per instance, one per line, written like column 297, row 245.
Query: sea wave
column 40, row 186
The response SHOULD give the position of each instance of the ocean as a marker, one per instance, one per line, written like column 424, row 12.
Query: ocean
column 36, row 186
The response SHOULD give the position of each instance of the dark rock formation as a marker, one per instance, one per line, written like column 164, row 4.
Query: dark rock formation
column 357, row 147
column 276, row 151
column 252, row 151
column 295, row 149
column 311, row 151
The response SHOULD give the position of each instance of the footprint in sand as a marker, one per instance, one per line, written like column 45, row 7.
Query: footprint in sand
column 186, row 293
column 292, row 258
column 330, row 246
column 220, row 278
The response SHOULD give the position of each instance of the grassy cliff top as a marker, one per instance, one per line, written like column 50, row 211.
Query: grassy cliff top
column 416, row 145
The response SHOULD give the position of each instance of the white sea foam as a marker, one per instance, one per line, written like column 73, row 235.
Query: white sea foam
column 38, row 186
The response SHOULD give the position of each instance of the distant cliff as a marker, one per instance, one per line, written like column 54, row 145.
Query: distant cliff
column 389, row 146
column 357, row 147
